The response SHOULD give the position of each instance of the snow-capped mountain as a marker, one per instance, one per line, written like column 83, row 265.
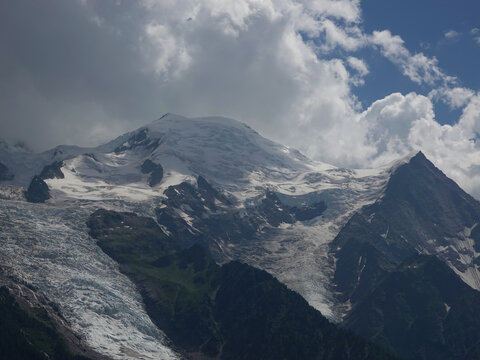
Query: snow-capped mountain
column 217, row 182
column 227, row 152
column 234, row 159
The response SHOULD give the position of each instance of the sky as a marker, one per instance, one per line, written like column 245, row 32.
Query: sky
column 348, row 82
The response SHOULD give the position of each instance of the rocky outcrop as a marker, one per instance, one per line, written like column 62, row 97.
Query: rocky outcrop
column 155, row 171
column 52, row 171
column 139, row 139
column 37, row 191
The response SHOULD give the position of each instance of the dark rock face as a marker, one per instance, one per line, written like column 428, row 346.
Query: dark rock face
column 414, row 305
column 205, row 205
column 421, row 310
column 210, row 194
column 156, row 176
column 229, row 312
column 214, row 219
column 38, row 191
column 148, row 166
column 260, row 315
column 274, row 211
column 155, row 171
column 309, row 212
column 421, row 209
column 5, row 174
column 212, row 215
column 29, row 333
column 185, row 195
column 359, row 267
column 140, row 139
column 52, row 171
column 176, row 225
column 111, row 228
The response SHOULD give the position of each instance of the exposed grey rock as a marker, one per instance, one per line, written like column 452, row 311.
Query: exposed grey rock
column 38, row 191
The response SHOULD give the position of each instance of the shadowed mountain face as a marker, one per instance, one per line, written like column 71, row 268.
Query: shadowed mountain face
column 229, row 312
column 421, row 310
column 422, row 211
column 414, row 304
column 29, row 333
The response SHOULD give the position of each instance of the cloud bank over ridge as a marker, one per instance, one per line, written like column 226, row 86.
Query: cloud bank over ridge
column 85, row 71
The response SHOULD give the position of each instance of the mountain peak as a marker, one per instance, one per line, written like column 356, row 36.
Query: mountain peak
column 218, row 147
column 170, row 119
column 419, row 153
column 421, row 210
column 419, row 156
column 419, row 165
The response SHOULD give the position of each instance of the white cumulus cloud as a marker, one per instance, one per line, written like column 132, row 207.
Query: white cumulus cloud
column 400, row 124
column 418, row 67
column 452, row 34
column 454, row 97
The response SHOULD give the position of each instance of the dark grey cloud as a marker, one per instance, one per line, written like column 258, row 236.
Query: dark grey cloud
column 84, row 71
column 65, row 73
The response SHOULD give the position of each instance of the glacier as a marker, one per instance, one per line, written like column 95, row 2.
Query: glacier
column 48, row 248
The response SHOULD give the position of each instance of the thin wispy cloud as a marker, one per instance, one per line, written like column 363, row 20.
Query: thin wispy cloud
column 452, row 34
column 476, row 35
